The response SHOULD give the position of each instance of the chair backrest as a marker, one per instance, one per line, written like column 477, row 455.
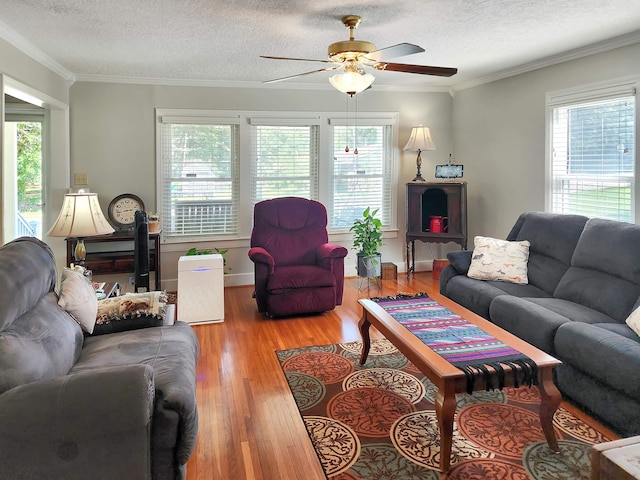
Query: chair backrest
column 290, row 229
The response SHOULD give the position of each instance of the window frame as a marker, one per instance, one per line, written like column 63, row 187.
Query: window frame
column 587, row 94
column 248, row 119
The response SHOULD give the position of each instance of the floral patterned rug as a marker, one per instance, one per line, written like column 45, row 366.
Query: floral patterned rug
column 378, row 421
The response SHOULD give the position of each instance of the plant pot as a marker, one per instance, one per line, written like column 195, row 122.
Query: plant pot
column 369, row 266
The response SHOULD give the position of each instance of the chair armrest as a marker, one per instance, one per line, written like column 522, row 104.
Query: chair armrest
column 260, row 255
column 92, row 424
column 460, row 260
column 331, row 250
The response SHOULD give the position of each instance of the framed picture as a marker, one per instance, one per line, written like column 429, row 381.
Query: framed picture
column 449, row 171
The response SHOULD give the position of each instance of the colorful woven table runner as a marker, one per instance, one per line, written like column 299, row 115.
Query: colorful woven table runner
column 458, row 341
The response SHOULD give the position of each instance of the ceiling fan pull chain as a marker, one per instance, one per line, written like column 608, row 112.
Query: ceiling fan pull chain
column 355, row 131
column 346, row 149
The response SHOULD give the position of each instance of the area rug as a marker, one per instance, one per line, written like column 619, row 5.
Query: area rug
column 378, row 421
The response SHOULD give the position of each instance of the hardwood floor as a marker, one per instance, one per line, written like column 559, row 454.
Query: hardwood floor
column 249, row 425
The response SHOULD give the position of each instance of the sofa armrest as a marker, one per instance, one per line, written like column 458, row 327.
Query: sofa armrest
column 95, row 424
column 260, row 255
column 460, row 260
column 331, row 250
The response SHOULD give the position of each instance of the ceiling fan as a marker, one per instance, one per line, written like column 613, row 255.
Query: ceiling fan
column 352, row 55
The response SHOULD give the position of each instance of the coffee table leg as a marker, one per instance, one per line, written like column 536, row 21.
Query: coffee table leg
column 364, row 325
column 445, row 411
column 549, row 401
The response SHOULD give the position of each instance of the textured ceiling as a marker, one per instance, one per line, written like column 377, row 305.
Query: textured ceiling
column 215, row 42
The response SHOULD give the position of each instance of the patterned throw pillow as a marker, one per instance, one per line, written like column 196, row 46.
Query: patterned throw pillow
column 501, row 260
column 130, row 311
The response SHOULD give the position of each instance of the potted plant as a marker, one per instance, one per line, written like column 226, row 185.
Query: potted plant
column 367, row 237
column 195, row 251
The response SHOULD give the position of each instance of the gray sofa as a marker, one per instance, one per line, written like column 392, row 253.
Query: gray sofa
column 584, row 281
column 115, row 406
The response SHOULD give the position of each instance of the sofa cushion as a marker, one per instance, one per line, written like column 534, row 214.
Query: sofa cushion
column 284, row 279
column 533, row 323
column 477, row 295
column 553, row 239
column 78, row 297
column 621, row 329
column 172, row 352
column 41, row 344
column 608, row 357
column 27, row 273
column 605, row 269
column 495, row 259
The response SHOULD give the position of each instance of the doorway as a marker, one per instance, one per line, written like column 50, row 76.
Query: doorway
column 23, row 148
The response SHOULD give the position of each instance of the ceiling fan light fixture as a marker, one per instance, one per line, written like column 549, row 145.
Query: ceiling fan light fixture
column 351, row 83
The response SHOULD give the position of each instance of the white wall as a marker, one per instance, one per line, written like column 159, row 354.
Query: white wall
column 499, row 136
column 113, row 141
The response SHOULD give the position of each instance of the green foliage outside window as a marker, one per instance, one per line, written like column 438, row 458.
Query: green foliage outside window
column 29, row 143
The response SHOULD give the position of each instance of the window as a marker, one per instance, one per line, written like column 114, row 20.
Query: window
column 284, row 160
column 214, row 166
column 592, row 148
column 364, row 178
column 199, row 181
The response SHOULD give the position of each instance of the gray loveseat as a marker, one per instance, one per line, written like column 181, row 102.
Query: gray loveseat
column 115, row 406
column 584, row 281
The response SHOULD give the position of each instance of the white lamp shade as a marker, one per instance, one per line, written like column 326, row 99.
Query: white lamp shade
column 420, row 139
column 351, row 82
column 80, row 216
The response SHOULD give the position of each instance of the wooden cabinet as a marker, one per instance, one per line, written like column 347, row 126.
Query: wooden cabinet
column 113, row 253
column 435, row 199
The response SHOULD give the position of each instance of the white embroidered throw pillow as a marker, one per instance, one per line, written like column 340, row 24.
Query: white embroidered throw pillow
column 78, row 297
column 502, row 260
column 633, row 321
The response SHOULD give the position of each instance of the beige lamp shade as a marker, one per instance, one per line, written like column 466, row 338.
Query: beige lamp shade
column 80, row 216
column 420, row 139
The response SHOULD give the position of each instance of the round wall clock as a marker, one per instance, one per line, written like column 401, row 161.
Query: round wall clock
column 122, row 210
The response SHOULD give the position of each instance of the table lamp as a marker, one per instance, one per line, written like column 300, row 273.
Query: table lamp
column 419, row 140
column 80, row 217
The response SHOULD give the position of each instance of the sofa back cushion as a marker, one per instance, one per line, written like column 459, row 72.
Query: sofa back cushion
column 605, row 269
column 553, row 238
column 38, row 339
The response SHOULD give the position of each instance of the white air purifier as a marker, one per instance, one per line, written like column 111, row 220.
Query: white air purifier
column 201, row 289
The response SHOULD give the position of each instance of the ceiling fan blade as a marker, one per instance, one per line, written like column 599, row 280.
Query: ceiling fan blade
column 275, row 80
column 419, row 69
column 394, row 51
column 297, row 59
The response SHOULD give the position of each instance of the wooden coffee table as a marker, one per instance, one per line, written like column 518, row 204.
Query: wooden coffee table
column 449, row 379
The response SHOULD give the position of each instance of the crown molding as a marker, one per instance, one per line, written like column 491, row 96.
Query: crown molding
column 575, row 54
column 179, row 82
column 26, row 47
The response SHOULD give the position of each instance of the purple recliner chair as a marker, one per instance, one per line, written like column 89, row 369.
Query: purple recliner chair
column 296, row 270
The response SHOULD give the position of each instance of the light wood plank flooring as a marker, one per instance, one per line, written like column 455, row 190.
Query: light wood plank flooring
column 249, row 425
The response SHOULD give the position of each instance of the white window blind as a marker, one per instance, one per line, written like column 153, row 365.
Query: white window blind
column 593, row 157
column 199, row 182
column 284, row 159
column 364, row 179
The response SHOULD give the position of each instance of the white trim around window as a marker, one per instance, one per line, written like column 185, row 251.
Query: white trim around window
column 591, row 160
column 312, row 164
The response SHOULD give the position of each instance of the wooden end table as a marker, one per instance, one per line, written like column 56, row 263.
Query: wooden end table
column 449, row 379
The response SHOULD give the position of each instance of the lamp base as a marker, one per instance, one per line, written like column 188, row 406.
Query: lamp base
column 418, row 179
column 80, row 252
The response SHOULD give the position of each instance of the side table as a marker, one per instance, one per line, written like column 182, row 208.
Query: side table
column 616, row 460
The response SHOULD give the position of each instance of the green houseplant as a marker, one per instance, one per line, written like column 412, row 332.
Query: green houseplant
column 367, row 238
